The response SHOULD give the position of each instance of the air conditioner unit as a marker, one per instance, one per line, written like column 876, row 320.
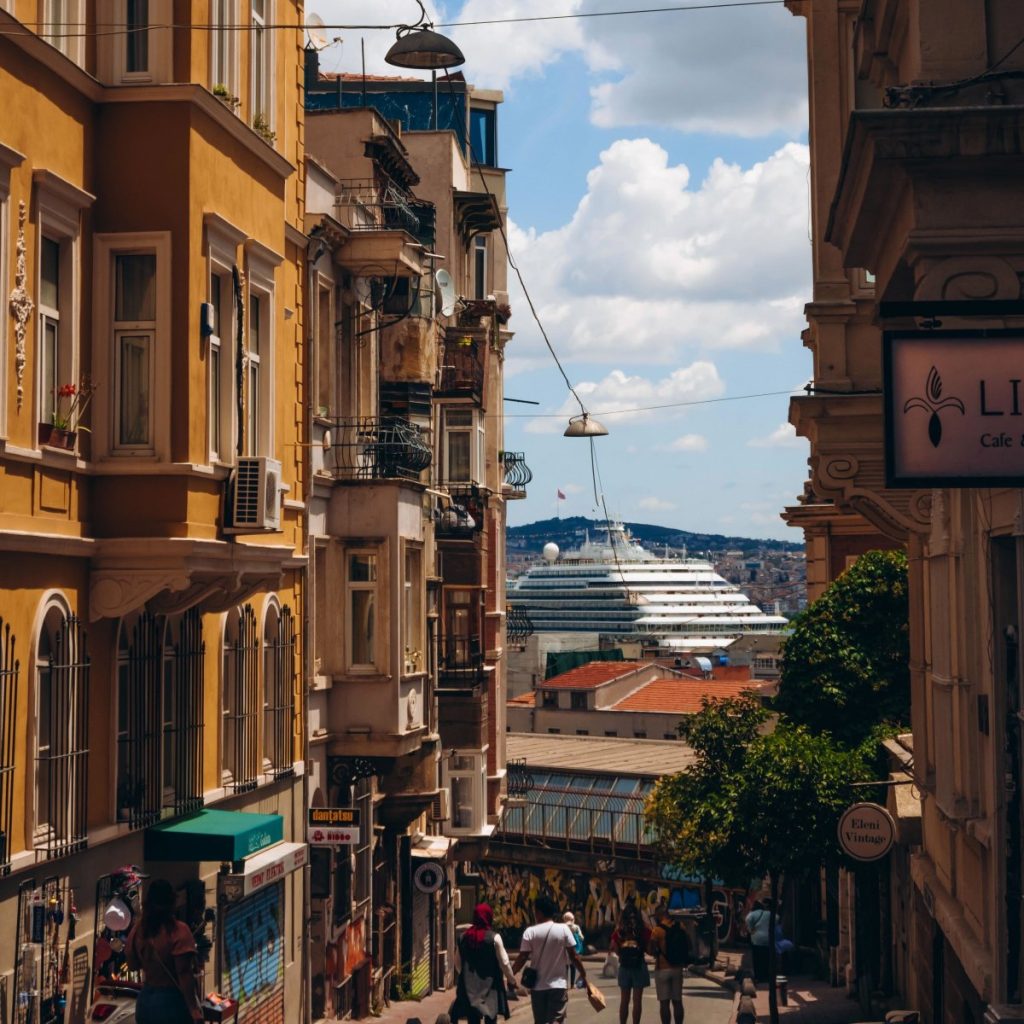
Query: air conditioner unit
column 439, row 809
column 256, row 495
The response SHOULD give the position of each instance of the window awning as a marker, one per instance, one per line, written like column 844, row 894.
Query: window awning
column 264, row 869
column 213, row 835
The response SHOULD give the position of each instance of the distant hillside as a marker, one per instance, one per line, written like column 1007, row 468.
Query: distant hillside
column 568, row 533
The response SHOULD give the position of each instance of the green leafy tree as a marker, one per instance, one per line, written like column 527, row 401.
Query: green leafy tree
column 845, row 666
column 756, row 803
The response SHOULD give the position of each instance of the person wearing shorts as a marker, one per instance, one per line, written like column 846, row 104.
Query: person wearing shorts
column 630, row 941
column 670, row 945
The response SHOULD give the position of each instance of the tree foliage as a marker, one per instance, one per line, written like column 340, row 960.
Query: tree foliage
column 845, row 666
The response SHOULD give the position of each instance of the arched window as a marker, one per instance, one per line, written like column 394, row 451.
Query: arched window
column 278, row 690
column 159, row 717
column 61, row 751
column 241, row 700
column 9, row 669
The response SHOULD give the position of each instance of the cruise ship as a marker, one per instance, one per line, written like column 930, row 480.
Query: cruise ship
column 615, row 586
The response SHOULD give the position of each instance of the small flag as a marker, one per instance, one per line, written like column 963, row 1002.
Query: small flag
column 561, row 496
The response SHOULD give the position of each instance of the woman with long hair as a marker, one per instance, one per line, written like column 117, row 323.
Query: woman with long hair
column 162, row 947
column 484, row 970
column 631, row 940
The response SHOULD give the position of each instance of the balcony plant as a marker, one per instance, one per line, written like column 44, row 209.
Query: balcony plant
column 222, row 93
column 69, row 404
column 261, row 126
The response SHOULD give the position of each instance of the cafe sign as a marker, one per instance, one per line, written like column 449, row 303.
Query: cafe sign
column 954, row 408
column 866, row 832
column 333, row 826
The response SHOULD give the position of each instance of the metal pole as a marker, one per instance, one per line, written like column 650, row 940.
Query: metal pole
column 433, row 82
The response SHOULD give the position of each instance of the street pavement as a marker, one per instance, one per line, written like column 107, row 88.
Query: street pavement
column 704, row 1002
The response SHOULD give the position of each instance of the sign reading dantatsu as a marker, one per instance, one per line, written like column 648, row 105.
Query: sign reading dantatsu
column 866, row 831
column 332, row 826
column 954, row 408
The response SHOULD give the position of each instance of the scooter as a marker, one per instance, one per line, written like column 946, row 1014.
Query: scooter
column 114, row 1004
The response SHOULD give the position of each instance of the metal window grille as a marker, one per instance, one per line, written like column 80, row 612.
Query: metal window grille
column 9, row 666
column 63, row 768
column 140, row 789
column 186, row 733
column 278, row 723
column 241, row 718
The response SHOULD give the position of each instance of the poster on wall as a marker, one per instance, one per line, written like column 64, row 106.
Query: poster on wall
column 252, row 960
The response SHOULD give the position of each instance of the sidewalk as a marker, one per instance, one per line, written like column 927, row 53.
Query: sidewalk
column 810, row 1000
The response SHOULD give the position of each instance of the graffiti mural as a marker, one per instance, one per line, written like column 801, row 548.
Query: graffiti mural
column 253, row 956
column 598, row 901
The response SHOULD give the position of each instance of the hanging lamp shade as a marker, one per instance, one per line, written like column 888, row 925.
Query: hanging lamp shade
column 424, row 48
column 585, row 426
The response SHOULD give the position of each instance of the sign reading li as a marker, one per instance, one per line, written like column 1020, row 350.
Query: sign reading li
column 954, row 408
column 332, row 826
column 866, row 831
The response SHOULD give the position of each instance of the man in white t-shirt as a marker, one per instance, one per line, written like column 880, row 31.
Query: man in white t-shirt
column 550, row 947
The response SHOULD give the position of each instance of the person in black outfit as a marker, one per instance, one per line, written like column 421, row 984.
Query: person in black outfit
column 484, row 969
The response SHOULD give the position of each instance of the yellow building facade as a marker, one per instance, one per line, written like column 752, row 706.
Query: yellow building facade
column 152, row 559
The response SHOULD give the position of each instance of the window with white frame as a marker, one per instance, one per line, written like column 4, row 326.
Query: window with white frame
column 413, row 619
column 259, row 337
column 361, row 610
column 480, row 265
column 55, row 355
column 240, row 752
column 220, row 383
column 61, row 741
column 463, row 445
column 223, row 52
column 134, row 335
column 278, row 691
column 61, row 26
column 139, row 49
column 136, row 37
column 465, row 780
column 261, row 70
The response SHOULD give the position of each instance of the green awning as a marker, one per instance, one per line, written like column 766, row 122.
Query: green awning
column 213, row 835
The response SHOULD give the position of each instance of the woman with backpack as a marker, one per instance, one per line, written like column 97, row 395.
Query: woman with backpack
column 630, row 941
column 484, row 970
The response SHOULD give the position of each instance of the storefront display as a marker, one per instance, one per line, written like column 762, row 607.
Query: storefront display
column 47, row 917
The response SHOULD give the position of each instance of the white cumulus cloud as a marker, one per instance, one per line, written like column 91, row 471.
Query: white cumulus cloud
column 783, row 436
column 621, row 397
column 689, row 443
column 653, row 265
column 654, row 504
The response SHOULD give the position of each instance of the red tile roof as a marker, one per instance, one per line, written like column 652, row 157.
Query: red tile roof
column 593, row 674
column 681, row 696
column 524, row 700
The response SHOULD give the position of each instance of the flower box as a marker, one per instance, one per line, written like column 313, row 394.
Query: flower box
column 57, row 437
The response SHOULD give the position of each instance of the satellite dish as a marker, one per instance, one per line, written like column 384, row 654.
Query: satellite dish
column 315, row 30
column 444, row 292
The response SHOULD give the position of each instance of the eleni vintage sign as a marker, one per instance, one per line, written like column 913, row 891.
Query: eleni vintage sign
column 954, row 408
column 866, row 831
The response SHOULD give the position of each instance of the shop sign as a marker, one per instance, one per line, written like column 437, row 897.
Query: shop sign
column 333, row 826
column 866, row 832
column 428, row 877
column 264, row 869
column 954, row 408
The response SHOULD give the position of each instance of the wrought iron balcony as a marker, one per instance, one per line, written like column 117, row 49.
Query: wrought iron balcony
column 462, row 368
column 461, row 661
column 366, row 204
column 517, row 474
column 518, row 625
column 368, row 448
column 463, row 518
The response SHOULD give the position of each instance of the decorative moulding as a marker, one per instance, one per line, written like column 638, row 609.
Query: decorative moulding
column 21, row 305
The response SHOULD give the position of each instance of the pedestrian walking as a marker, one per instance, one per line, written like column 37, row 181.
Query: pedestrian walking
column 670, row 946
column 631, row 940
column 569, row 920
column 759, row 927
column 550, row 947
column 162, row 947
column 484, row 969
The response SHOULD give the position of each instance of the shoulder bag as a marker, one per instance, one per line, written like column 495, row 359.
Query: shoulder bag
column 530, row 973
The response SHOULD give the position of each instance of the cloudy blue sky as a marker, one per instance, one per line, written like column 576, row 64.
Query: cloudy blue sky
column 659, row 213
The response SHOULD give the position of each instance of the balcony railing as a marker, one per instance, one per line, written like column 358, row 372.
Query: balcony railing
column 517, row 473
column 518, row 625
column 462, row 369
column 463, row 518
column 366, row 204
column 461, row 660
column 368, row 448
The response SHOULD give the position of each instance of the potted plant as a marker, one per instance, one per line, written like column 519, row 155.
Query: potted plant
column 69, row 404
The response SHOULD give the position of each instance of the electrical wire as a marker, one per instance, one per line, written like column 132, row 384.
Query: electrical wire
column 654, row 408
column 112, row 28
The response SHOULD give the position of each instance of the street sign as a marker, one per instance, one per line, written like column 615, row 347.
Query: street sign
column 428, row 877
column 866, row 832
column 332, row 826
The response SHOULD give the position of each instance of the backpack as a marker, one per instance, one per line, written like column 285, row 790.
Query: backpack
column 630, row 953
column 677, row 945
